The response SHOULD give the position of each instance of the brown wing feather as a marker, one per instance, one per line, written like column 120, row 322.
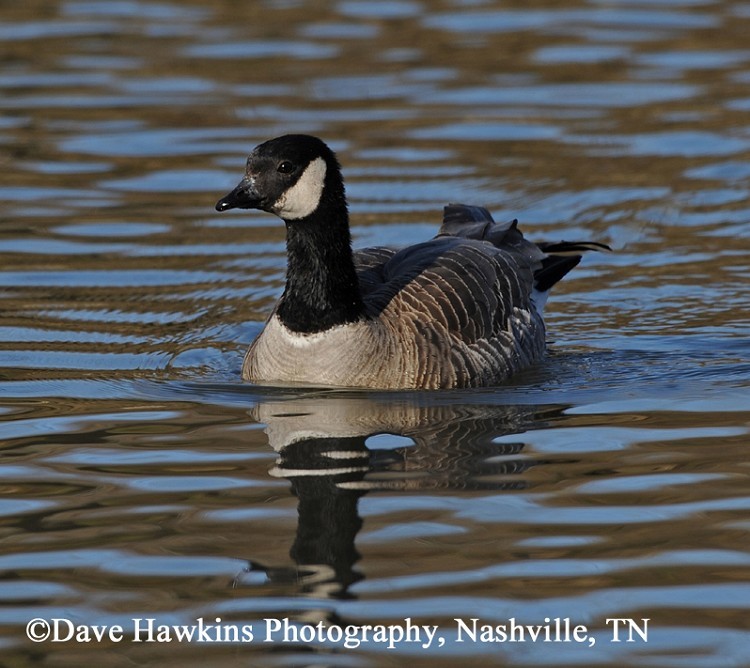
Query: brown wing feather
column 466, row 296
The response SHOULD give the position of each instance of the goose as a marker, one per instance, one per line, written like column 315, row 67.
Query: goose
column 461, row 310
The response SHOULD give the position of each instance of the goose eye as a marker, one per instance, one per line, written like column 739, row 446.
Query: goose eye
column 285, row 167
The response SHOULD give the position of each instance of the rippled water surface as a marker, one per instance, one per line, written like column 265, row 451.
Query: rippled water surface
column 142, row 480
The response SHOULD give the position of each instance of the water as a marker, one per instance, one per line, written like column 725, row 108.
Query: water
column 142, row 480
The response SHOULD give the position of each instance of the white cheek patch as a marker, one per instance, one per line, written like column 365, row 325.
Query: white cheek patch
column 304, row 196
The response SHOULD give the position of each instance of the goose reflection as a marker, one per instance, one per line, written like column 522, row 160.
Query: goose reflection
column 334, row 447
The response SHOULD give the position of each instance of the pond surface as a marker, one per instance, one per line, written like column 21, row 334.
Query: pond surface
column 144, row 484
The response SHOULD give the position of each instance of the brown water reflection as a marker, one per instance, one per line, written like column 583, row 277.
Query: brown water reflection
column 182, row 510
column 140, row 478
column 328, row 454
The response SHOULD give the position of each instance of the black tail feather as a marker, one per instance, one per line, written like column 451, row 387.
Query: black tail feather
column 563, row 256
column 566, row 247
column 553, row 269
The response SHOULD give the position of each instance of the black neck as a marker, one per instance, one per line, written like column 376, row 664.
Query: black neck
column 322, row 289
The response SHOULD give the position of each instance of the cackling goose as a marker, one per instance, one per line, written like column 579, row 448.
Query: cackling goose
column 460, row 310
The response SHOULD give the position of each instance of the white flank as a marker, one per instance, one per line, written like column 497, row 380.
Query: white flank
column 539, row 299
column 304, row 196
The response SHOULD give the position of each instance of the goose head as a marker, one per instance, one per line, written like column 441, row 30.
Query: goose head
column 290, row 176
